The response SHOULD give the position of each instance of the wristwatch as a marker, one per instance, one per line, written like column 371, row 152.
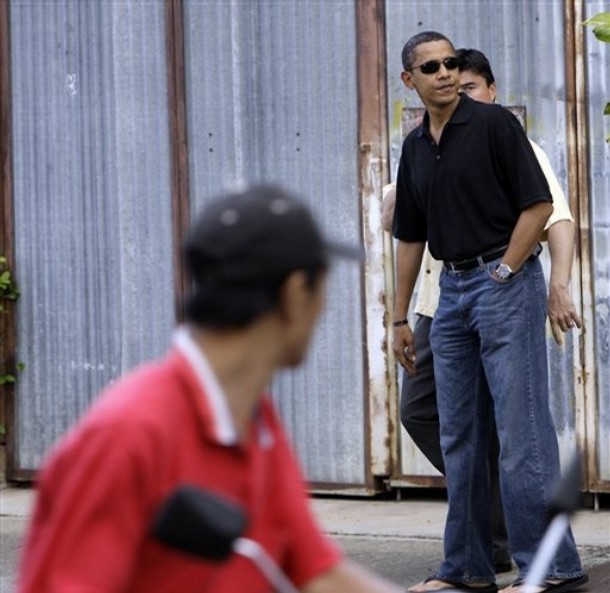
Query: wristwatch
column 504, row 272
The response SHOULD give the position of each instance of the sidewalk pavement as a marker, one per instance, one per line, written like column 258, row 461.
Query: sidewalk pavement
column 401, row 540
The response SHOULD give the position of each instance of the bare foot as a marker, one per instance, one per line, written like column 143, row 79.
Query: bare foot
column 433, row 585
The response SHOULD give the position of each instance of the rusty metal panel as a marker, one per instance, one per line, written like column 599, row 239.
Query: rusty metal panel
column 93, row 242
column 272, row 96
column 598, row 92
column 528, row 64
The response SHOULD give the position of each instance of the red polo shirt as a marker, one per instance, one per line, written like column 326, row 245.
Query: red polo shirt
column 164, row 425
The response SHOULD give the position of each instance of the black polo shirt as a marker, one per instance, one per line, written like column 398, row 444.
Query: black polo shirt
column 465, row 194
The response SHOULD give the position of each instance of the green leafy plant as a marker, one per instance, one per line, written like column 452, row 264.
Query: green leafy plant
column 600, row 24
column 8, row 292
column 8, row 288
column 8, row 378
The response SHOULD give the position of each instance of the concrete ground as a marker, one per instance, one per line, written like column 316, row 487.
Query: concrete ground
column 403, row 540
column 400, row 540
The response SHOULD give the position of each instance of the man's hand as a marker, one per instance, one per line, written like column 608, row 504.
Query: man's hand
column 403, row 345
column 562, row 312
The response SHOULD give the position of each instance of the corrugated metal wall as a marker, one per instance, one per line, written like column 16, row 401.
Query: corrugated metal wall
column 91, row 170
column 272, row 95
column 524, row 42
column 92, row 221
column 598, row 89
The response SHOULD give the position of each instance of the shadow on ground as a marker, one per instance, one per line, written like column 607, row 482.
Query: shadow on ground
column 406, row 562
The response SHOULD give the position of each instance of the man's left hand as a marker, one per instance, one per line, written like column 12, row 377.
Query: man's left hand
column 562, row 312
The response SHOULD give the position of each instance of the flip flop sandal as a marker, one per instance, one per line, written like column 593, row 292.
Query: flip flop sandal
column 562, row 587
column 459, row 587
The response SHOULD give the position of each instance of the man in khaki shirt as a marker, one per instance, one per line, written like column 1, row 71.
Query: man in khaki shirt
column 419, row 413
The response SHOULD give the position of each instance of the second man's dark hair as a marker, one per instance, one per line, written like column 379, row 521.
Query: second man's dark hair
column 473, row 60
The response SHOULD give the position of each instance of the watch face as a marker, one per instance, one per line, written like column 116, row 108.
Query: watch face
column 504, row 272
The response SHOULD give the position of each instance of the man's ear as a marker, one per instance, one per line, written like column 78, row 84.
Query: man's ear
column 492, row 92
column 407, row 79
column 293, row 295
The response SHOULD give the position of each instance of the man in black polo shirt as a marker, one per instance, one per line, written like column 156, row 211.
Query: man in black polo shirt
column 470, row 185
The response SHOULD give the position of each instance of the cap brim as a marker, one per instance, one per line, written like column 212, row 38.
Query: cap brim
column 345, row 251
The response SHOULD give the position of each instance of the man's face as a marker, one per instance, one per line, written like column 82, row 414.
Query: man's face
column 302, row 307
column 476, row 87
column 438, row 88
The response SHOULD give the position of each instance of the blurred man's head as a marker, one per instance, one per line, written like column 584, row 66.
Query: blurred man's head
column 259, row 254
column 476, row 77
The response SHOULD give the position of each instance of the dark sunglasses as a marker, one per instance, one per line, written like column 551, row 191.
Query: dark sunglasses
column 433, row 66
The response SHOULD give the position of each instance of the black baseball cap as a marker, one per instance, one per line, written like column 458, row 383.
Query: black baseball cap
column 263, row 231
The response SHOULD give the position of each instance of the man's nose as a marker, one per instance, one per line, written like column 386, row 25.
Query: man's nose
column 444, row 71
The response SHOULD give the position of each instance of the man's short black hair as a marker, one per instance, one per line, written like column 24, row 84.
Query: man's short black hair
column 224, row 307
column 473, row 60
column 408, row 50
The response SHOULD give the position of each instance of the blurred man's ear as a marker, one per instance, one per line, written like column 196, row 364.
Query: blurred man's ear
column 292, row 294
column 298, row 294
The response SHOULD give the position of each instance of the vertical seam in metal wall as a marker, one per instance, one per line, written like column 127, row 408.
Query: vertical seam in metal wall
column 589, row 380
column 176, row 101
column 578, row 178
column 7, row 323
column 373, row 147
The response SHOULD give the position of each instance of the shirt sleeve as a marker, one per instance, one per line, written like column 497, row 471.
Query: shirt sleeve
column 428, row 292
column 410, row 223
column 89, row 516
column 561, row 210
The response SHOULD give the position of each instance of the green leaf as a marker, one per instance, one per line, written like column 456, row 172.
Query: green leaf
column 601, row 18
column 600, row 23
column 607, row 109
column 4, row 379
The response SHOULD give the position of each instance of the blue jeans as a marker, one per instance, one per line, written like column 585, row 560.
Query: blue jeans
column 499, row 328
